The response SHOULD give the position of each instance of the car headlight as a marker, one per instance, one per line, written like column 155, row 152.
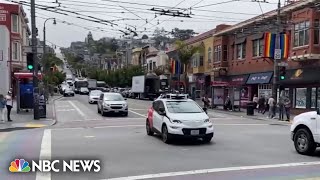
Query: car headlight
column 105, row 104
column 176, row 121
column 207, row 121
column 124, row 105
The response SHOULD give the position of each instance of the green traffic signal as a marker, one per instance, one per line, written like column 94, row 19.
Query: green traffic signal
column 30, row 67
column 282, row 77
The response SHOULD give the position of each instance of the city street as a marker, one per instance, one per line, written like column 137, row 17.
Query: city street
column 241, row 147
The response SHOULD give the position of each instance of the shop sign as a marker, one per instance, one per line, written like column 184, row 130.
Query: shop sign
column 3, row 17
column 297, row 74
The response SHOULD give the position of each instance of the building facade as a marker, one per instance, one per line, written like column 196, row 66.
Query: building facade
column 246, row 70
column 14, row 35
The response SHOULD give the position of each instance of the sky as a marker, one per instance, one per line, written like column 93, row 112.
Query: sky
column 206, row 14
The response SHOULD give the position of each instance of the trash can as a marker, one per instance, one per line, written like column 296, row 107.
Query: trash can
column 250, row 108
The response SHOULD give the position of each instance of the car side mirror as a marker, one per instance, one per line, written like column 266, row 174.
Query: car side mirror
column 318, row 111
column 162, row 111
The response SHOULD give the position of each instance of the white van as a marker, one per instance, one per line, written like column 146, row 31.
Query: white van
column 305, row 132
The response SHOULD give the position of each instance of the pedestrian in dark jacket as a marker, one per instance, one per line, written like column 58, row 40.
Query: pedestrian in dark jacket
column 261, row 102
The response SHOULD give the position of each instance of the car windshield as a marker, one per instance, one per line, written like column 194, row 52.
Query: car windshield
column 83, row 89
column 113, row 97
column 95, row 93
column 183, row 107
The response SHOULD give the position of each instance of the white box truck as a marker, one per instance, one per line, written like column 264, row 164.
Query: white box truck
column 145, row 86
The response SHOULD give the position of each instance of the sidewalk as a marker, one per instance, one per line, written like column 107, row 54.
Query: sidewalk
column 24, row 120
column 243, row 113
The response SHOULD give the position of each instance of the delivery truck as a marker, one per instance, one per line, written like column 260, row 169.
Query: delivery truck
column 145, row 86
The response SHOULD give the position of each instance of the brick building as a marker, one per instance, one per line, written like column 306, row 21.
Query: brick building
column 14, row 35
column 242, row 70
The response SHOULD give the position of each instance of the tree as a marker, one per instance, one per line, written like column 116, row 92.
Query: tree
column 185, row 54
column 49, row 60
column 182, row 34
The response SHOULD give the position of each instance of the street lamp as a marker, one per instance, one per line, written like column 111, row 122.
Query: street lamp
column 44, row 35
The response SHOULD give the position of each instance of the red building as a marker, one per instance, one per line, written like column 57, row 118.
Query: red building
column 14, row 35
column 246, row 67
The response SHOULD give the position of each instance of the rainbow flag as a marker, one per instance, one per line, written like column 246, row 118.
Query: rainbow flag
column 284, row 45
column 269, row 44
column 177, row 67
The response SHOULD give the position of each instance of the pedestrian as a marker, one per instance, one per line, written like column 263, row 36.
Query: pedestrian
column 272, row 104
column 2, row 107
column 206, row 101
column 281, row 105
column 255, row 101
column 227, row 104
column 9, row 105
column 287, row 107
column 261, row 103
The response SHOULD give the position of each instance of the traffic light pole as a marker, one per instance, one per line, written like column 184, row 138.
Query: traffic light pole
column 275, row 62
column 35, row 61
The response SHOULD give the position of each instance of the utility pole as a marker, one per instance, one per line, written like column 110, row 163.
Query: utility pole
column 35, row 62
column 276, row 61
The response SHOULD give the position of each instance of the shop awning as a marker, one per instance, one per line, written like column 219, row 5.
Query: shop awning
column 302, row 76
column 260, row 78
column 219, row 83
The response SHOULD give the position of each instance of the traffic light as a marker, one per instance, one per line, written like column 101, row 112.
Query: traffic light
column 282, row 73
column 30, row 61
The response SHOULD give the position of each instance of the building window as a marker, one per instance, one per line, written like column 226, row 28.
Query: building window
column 301, row 98
column 209, row 54
column 316, row 32
column 257, row 47
column 225, row 53
column 150, row 66
column 15, row 23
column 154, row 65
column 217, row 53
column 15, row 51
column 301, row 33
column 313, row 97
column 201, row 61
column 241, row 50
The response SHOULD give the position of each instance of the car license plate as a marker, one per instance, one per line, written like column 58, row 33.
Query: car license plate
column 116, row 111
column 194, row 132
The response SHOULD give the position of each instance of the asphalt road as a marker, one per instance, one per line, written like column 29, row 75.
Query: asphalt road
column 241, row 148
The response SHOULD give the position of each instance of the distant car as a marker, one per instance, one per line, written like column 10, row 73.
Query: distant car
column 175, row 115
column 68, row 92
column 94, row 96
column 84, row 90
column 112, row 103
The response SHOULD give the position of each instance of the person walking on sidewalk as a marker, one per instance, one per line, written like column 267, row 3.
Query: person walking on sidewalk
column 255, row 101
column 2, row 107
column 272, row 107
column 287, row 107
column 9, row 104
column 281, row 105
column 262, row 102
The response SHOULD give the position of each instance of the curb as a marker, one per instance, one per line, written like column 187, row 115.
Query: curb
column 254, row 117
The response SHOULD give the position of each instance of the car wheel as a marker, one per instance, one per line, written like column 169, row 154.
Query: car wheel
column 207, row 139
column 148, row 128
column 303, row 142
column 166, row 137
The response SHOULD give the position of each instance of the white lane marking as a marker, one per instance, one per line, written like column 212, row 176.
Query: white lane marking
column 74, row 106
column 240, row 124
column 45, row 153
column 100, row 127
column 206, row 171
column 89, row 136
column 137, row 113
column 65, row 110
column 137, row 109
column 63, row 106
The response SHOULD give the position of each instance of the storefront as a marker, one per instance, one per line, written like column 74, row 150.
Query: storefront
column 239, row 85
column 303, row 88
column 260, row 84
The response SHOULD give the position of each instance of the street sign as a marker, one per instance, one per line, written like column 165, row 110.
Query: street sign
column 277, row 54
column 283, row 64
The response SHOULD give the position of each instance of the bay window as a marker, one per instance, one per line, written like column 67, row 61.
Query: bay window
column 15, row 49
column 15, row 23
column 241, row 50
column 257, row 47
column 301, row 33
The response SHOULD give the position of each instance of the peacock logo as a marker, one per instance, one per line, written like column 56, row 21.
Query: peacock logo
column 19, row 165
